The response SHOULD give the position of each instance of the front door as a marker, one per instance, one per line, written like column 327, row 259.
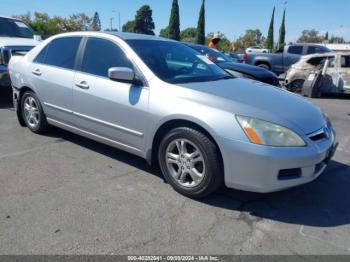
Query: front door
column 114, row 111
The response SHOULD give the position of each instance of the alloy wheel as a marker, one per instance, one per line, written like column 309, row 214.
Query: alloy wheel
column 185, row 162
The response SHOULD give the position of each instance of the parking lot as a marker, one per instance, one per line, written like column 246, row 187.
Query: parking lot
column 63, row 194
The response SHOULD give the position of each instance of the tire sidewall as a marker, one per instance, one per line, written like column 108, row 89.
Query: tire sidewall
column 41, row 112
column 200, row 189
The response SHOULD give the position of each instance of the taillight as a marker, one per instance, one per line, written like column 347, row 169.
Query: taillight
column 245, row 58
column 1, row 60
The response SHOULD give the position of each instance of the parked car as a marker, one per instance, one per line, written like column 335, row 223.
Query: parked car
column 237, row 69
column 336, row 77
column 163, row 101
column 16, row 38
column 280, row 61
column 256, row 49
column 237, row 57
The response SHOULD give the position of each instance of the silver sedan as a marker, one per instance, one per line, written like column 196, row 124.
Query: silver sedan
column 163, row 101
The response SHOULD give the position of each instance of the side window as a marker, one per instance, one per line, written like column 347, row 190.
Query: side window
column 315, row 50
column 345, row 61
column 297, row 50
column 62, row 52
column 100, row 55
column 40, row 58
column 317, row 61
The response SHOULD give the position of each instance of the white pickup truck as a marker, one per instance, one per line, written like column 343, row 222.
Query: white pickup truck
column 16, row 38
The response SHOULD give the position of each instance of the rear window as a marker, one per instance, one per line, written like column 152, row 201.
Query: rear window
column 297, row 50
column 14, row 28
column 61, row 52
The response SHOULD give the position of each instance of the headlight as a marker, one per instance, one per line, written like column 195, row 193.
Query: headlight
column 265, row 133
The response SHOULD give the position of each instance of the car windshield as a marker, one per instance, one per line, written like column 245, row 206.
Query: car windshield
column 15, row 28
column 177, row 63
column 213, row 55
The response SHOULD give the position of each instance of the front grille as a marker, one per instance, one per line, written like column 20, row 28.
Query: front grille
column 287, row 174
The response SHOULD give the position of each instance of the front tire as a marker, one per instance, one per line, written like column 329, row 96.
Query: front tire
column 33, row 114
column 190, row 162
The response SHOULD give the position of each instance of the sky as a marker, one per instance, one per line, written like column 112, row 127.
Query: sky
column 231, row 17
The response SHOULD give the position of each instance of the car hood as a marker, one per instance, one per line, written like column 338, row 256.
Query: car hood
column 17, row 41
column 255, row 99
column 247, row 69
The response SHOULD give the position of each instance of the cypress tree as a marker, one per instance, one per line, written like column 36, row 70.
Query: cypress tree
column 269, row 39
column 96, row 23
column 201, row 25
column 174, row 22
column 282, row 40
column 143, row 21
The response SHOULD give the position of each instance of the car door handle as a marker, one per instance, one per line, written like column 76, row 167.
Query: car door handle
column 37, row 72
column 82, row 85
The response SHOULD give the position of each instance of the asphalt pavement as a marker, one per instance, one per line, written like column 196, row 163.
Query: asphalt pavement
column 63, row 194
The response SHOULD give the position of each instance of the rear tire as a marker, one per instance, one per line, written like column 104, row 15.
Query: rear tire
column 33, row 114
column 190, row 162
column 296, row 86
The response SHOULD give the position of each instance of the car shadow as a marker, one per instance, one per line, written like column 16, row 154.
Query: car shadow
column 322, row 203
column 5, row 98
column 335, row 96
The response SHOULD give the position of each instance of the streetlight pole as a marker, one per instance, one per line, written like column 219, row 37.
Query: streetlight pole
column 114, row 11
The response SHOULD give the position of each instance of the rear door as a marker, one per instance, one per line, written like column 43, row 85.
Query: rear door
column 114, row 111
column 53, row 75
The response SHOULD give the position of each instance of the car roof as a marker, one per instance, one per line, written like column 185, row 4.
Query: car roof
column 122, row 35
column 10, row 18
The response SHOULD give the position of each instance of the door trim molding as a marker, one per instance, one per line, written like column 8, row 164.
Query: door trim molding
column 131, row 131
column 94, row 136
column 121, row 128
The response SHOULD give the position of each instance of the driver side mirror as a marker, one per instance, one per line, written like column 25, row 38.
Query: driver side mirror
column 123, row 74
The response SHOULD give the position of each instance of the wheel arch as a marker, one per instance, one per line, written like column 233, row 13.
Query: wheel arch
column 262, row 62
column 18, row 97
column 168, row 125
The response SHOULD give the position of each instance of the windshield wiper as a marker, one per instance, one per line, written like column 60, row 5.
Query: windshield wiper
column 223, row 78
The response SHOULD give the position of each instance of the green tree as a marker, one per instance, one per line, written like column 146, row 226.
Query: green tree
column 310, row 36
column 336, row 40
column 270, row 39
column 282, row 39
column 189, row 35
column 129, row 27
column 46, row 26
column 143, row 21
column 201, row 25
column 164, row 32
column 252, row 37
column 326, row 37
column 96, row 23
column 174, row 22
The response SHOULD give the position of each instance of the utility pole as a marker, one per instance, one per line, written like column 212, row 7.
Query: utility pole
column 111, row 23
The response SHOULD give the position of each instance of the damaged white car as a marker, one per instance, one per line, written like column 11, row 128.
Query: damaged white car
column 335, row 66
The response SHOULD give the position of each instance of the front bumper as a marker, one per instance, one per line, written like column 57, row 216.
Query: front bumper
column 266, row 169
